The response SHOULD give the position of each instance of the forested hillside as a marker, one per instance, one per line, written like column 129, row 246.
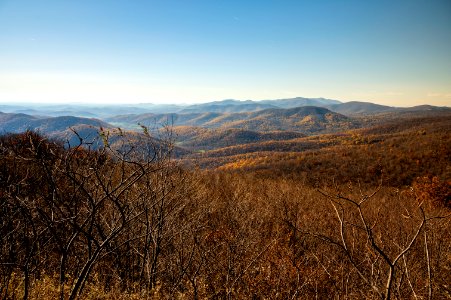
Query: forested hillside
column 305, row 119
column 364, row 214
column 402, row 150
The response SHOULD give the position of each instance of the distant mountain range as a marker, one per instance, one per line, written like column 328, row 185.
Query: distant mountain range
column 355, row 107
column 234, row 106
column 105, row 111
column 10, row 122
column 367, row 108
column 300, row 101
column 224, row 106
column 55, row 127
column 306, row 119
column 213, row 124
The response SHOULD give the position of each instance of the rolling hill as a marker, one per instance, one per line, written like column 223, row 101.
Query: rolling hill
column 62, row 128
column 104, row 111
column 401, row 148
column 306, row 119
column 14, row 123
column 269, row 129
column 356, row 107
column 198, row 138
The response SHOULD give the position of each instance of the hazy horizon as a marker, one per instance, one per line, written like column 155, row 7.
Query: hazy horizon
column 122, row 52
column 137, row 103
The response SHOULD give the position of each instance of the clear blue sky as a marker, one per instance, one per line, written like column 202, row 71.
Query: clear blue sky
column 388, row 52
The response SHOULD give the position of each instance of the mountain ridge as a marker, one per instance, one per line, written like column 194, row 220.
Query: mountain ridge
column 306, row 119
column 103, row 111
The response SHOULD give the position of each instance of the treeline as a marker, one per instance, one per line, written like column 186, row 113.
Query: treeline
column 129, row 223
column 402, row 152
column 202, row 139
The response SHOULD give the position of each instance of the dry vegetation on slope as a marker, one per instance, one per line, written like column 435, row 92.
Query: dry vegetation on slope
column 201, row 139
column 114, row 224
column 403, row 150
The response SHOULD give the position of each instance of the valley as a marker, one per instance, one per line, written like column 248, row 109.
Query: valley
column 226, row 199
column 358, row 139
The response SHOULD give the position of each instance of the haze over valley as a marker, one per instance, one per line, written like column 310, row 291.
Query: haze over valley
column 212, row 149
column 299, row 116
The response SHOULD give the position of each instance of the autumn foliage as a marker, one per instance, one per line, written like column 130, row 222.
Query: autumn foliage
column 117, row 224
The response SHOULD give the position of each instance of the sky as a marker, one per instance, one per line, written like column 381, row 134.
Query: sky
column 189, row 51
